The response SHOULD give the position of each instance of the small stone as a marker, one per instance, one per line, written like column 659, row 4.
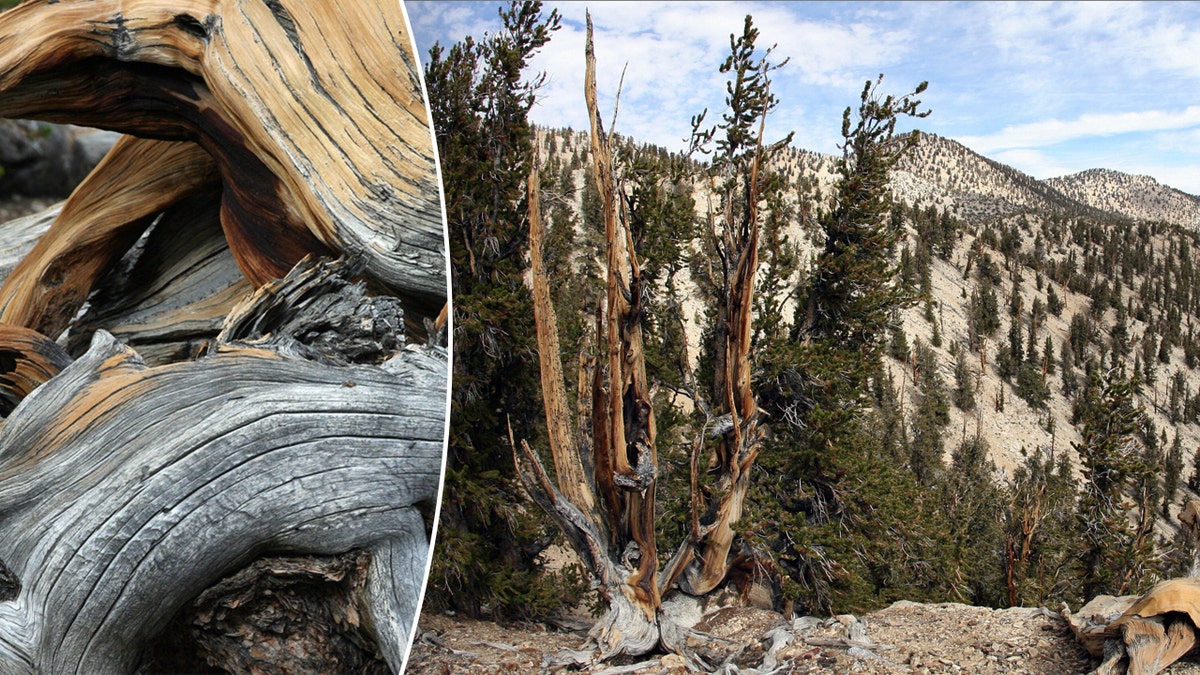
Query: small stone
column 673, row 661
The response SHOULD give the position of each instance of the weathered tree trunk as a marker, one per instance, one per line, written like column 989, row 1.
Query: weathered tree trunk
column 629, row 455
column 609, row 514
column 704, row 559
column 164, row 479
column 281, row 452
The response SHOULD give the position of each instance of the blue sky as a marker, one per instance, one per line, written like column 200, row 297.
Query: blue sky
column 1049, row 88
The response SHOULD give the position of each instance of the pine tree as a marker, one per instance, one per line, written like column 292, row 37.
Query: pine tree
column 932, row 415
column 1116, row 553
column 973, row 503
column 815, row 383
column 1039, row 532
column 479, row 99
column 741, row 177
column 964, row 383
column 1172, row 470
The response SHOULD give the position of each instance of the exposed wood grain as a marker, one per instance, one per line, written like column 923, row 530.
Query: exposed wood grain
column 163, row 479
column 314, row 116
column 169, row 296
column 99, row 222
column 27, row 360
column 568, row 462
column 262, row 134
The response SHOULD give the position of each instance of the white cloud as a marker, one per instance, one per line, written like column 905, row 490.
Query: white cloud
column 1052, row 132
column 1016, row 81
column 1033, row 162
column 673, row 51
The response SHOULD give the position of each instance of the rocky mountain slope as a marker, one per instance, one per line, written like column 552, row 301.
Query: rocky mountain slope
column 945, row 173
column 1138, row 197
column 1088, row 255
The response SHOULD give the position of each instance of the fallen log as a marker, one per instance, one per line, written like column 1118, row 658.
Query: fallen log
column 1140, row 636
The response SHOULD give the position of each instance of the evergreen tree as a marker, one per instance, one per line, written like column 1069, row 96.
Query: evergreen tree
column 815, row 383
column 1116, row 553
column 973, row 503
column 964, row 383
column 487, row 543
column 932, row 415
column 1053, row 303
column 1039, row 532
column 1172, row 470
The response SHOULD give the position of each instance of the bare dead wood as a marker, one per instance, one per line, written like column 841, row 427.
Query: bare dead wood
column 568, row 461
column 168, row 297
column 1149, row 634
column 268, row 133
column 27, row 360
column 313, row 115
column 607, row 516
column 103, row 217
column 166, row 478
column 629, row 414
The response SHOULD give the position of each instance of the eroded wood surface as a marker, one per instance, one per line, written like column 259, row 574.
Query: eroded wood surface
column 127, row 490
column 313, row 115
column 292, row 423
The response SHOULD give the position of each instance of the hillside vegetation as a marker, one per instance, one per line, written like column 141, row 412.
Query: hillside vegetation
column 1031, row 297
column 905, row 373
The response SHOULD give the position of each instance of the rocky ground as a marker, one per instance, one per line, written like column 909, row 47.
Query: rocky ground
column 12, row 207
column 903, row 638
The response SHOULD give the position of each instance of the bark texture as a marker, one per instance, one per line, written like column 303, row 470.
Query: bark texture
column 604, row 503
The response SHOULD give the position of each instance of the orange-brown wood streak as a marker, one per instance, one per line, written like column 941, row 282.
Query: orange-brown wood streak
column 314, row 115
column 102, row 218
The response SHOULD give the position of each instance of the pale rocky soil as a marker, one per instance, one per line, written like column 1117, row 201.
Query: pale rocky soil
column 908, row 638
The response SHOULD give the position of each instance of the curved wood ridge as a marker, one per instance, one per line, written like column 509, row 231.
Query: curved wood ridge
column 105, row 214
column 27, row 360
column 313, row 113
column 126, row 490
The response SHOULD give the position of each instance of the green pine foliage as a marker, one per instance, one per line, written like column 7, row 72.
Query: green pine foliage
column 862, row 493
column 1040, row 533
column 487, row 542
column 1117, row 553
column 842, row 509
column 931, row 417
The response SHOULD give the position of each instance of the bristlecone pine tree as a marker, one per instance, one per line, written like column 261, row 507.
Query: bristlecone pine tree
column 606, row 506
column 603, row 492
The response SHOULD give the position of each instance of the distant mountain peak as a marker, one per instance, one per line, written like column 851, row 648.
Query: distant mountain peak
column 1138, row 197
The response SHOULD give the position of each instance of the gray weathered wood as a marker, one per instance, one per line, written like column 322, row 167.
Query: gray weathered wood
column 169, row 297
column 126, row 490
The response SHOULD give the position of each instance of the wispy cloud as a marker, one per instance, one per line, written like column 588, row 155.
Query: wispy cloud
column 1085, row 85
column 1051, row 132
